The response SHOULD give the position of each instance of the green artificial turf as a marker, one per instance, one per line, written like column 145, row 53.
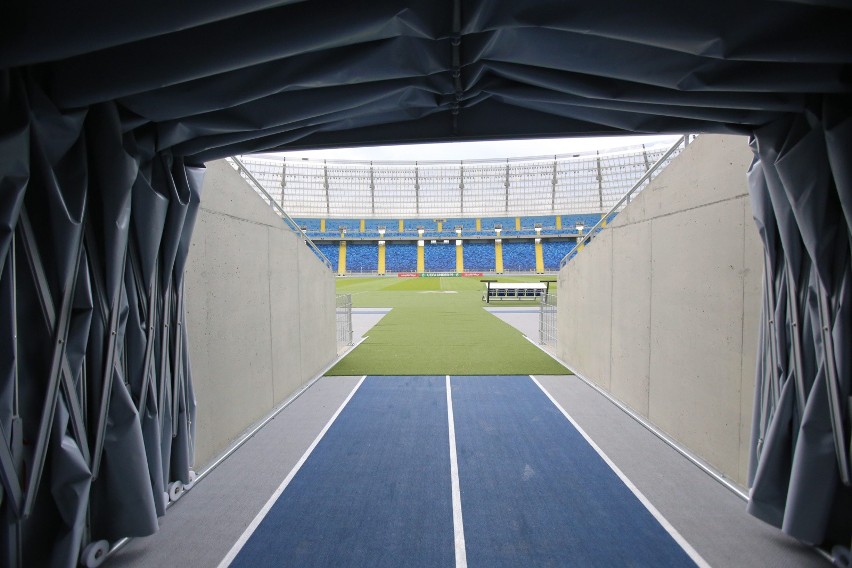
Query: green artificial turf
column 438, row 327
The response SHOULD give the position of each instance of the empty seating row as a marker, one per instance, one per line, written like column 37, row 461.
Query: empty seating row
column 444, row 228
column 438, row 256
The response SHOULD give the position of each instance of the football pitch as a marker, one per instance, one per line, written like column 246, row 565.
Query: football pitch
column 438, row 327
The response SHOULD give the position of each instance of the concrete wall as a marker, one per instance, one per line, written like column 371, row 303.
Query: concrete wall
column 661, row 310
column 260, row 311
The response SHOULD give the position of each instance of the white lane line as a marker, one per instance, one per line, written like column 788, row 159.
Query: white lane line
column 263, row 512
column 458, row 522
column 691, row 552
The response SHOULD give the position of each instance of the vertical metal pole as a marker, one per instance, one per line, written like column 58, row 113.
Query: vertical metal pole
column 349, row 316
column 177, row 373
column 506, row 187
column 417, row 188
column 835, row 401
column 283, row 180
column 325, row 185
column 600, row 181
column 372, row 191
column 796, row 338
column 553, row 183
column 461, row 188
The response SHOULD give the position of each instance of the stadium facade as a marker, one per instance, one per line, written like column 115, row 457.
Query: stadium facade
column 495, row 216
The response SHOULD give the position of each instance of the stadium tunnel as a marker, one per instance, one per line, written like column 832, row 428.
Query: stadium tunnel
column 109, row 112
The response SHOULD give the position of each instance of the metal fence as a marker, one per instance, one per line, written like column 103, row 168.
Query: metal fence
column 344, row 322
column 653, row 171
column 587, row 182
column 547, row 320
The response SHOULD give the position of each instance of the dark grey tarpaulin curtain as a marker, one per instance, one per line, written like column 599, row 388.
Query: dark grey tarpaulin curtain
column 801, row 192
column 108, row 109
column 96, row 401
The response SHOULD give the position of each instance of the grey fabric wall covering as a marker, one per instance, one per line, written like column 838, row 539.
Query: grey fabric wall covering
column 96, row 401
column 108, row 110
column 801, row 194
column 264, row 75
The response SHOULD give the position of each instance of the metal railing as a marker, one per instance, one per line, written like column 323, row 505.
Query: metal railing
column 291, row 224
column 676, row 148
column 547, row 320
column 344, row 322
column 562, row 184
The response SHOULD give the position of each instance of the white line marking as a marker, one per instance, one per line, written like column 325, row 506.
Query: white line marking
column 691, row 552
column 265, row 510
column 458, row 522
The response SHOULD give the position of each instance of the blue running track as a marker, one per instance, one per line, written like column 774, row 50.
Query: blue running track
column 377, row 490
column 535, row 493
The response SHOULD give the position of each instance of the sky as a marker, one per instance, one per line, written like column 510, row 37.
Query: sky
column 477, row 150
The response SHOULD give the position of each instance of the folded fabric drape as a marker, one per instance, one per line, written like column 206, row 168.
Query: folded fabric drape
column 802, row 200
column 96, row 400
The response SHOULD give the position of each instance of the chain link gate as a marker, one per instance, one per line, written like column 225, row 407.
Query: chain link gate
column 344, row 322
column 547, row 320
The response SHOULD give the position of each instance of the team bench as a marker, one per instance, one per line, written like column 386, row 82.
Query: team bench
column 514, row 291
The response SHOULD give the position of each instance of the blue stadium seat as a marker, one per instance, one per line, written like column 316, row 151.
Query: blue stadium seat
column 518, row 256
column 373, row 225
column 545, row 221
column 488, row 223
column 351, row 225
column 440, row 257
column 362, row 257
column 401, row 257
column 554, row 251
column 308, row 225
column 468, row 224
column 588, row 219
column 331, row 252
column 479, row 256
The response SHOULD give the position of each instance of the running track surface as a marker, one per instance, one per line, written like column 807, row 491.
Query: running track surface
column 456, row 471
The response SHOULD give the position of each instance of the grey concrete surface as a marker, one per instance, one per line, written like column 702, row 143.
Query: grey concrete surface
column 524, row 319
column 363, row 319
column 708, row 515
column 260, row 311
column 584, row 309
column 202, row 526
column 661, row 309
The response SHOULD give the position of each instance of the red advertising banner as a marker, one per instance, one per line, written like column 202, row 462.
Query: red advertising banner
column 407, row 275
column 472, row 274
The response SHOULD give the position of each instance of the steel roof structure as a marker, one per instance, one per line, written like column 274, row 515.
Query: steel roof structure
column 108, row 111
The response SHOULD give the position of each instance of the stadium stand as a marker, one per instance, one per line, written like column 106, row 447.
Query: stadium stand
column 362, row 257
column 554, row 250
column 479, row 256
column 529, row 223
column 389, row 225
column 518, row 256
column 440, row 257
column 401, row 257
column 351, row 225
column 490, row 223
column 331, row 250
column 527, row 198
column 466, row 224
column 309, row 225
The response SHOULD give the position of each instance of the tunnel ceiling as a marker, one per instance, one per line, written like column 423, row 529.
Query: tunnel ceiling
column 216, row 77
